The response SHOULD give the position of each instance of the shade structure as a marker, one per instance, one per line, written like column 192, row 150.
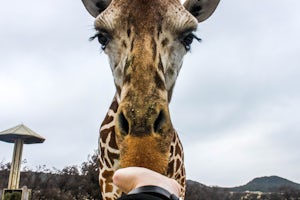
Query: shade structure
column 21, row 132
column 18, row 135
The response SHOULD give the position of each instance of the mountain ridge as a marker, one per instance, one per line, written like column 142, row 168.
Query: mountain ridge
column 267, row 188
column 266, row 184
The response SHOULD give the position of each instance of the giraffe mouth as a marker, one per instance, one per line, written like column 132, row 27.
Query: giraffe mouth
column 148, row 151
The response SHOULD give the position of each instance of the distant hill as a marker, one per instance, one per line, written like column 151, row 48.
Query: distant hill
column 266, row 184
column 270, row 188
column 198, row 191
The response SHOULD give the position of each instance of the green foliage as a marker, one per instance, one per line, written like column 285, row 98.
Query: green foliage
column 72, row 182
column 13, row 196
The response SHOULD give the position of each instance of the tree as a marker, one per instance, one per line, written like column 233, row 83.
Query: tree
column 90, row 170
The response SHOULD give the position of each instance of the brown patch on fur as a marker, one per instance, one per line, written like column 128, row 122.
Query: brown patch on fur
column 107, row 162
column 132, row 45
column 178, row 150
column 112, row 156
column 104, row 133
column 127, row 79
column 100, row 182
column 171, row 167
column 114, row 105
column 160, row 65
column 102, row 151
column 124, row 44
column 100, row 165
column 165, row 42
column 154, row 49
column 160, row 84
column 113, row 142
column 108, row 175
column 178, row 165
column 128, row 33
column 107, row 119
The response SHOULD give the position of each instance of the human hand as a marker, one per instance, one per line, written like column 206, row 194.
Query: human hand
column 130, row 178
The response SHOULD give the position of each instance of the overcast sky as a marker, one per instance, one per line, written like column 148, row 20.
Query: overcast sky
column 236, row 104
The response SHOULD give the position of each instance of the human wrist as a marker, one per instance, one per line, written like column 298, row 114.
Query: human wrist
column 156, row 191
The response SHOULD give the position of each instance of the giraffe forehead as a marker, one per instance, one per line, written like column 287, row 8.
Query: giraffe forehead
column 145, row 15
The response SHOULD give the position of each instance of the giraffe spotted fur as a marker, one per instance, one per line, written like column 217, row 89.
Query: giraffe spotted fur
column 145, row 41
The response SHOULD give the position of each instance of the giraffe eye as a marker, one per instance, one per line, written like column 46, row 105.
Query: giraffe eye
column 103, row 39
column 187, row 40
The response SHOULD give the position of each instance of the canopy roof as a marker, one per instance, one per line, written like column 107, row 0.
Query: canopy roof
column 21, row 132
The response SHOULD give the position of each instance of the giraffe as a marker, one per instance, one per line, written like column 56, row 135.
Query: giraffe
column 145, row 41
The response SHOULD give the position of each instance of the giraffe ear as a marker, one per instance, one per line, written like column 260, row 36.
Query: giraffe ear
column 201, row 9
column 95, row 7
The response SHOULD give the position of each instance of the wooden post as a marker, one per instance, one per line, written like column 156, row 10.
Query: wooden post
column 14, row 176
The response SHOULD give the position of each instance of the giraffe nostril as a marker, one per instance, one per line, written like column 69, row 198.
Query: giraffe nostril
column 123, row 124
column 160, row 120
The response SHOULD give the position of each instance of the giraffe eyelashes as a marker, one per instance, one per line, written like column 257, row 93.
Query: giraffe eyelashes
column 103, row 39
column 187, row 40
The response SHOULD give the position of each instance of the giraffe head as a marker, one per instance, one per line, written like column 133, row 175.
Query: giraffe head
column 146, row 41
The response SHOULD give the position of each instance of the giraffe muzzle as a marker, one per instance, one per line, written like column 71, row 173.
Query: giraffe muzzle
column 139, row 123
column 144, row 136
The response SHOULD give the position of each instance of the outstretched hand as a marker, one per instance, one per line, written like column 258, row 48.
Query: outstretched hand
column 130, row 178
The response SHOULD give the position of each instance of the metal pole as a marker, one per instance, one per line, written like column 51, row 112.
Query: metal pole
column 14, row 176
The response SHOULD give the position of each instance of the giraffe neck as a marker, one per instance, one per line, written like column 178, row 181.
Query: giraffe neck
column 107, row 130
column 109, row 153
column 108, row 122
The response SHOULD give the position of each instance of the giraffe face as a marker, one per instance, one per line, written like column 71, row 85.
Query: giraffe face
column 145, row 41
